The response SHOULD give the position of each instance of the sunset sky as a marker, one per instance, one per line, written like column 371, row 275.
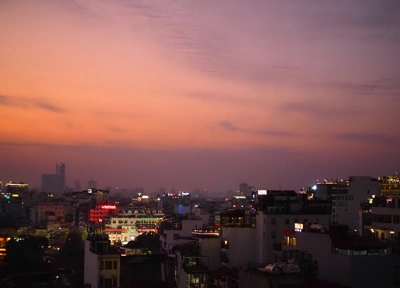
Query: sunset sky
column 199, row 94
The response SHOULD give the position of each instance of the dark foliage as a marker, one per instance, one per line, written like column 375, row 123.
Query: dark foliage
column 26, row 254
column 151, row 241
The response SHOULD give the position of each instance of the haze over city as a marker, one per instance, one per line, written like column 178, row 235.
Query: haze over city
column 199, row 94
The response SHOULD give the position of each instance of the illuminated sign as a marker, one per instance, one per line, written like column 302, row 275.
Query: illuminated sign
column 262, row 192
column 109, row 207
column 239, row 197
column 89, row 191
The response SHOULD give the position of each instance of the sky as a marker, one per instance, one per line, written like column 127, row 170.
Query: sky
column 199, row 94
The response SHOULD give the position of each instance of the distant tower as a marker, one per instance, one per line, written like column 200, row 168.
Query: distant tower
column 92, row 184
column 60, row 171
column 77, row 186
column 244, row 187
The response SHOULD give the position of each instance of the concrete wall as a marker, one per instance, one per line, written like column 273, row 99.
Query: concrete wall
column 353, row 271
column 265, row 224
column 242, row 245
column 92, row 268
column 332, row 267
column 211, row 247
column 361, row 188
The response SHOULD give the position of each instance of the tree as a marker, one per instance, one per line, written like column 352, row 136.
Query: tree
column 151, row 241
column 72, row 254
column 26, row 254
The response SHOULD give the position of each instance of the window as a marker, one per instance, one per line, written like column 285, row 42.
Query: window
column 273, row 221
column 108, row 265
column 114, row 284
column 273, row 235
column 115, row 265
column 287, row 221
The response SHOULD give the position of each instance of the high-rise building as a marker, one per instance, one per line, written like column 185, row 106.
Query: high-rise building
column 77, row 186
column 54, row 183
column 50, row 183
column 92, row 184
column 60, row 171
column 244, row 187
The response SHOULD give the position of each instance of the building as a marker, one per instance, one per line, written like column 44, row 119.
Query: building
column 102, row 263
column 101, row 212
column 191, row 268
column 92, row 184
column 147, row 271
column 77, row 186
column 16, row 188
column 238, row 237
column 324, row 190
column 45, row 211
column 128, row 224
column 345, row 207
column 178, row 231
column 60, row 171
column 345, row 258
column 275, row 226
column 390, row 186
column 55, row 183
column 384, row 219
column 209, row 242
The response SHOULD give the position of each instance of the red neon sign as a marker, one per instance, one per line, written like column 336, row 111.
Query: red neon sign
column 109, row 207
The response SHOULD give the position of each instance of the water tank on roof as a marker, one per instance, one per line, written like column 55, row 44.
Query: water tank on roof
column 273, row 269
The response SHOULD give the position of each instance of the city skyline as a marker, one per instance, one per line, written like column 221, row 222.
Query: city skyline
column 186, row 95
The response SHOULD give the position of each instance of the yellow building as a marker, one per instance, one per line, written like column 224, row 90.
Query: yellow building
column 390, row 186
column 102, row 263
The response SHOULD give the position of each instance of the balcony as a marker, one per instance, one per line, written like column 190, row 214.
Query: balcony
column 195, row 264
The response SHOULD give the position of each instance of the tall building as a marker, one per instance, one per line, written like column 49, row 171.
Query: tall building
column 243, row 188
column 54, row 183
column 50, row 183
column 92, row 184
column 77, row 186
column 60, row 171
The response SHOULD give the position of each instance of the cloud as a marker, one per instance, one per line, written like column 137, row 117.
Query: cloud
column 229, row 126
column 319, row 110
column 28, row 103
column 380, row 87
column 117, row 129
column 374, row 138
column 366, row 20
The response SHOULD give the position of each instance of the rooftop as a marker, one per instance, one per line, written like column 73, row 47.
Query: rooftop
column 205, row 233
column 134, row 245
column 341, row 237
